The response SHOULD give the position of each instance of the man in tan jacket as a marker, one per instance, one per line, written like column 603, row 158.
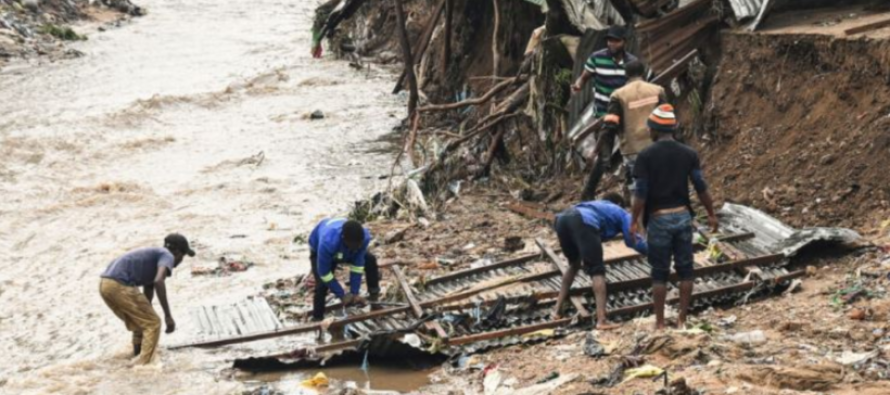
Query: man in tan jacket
column 629, row 108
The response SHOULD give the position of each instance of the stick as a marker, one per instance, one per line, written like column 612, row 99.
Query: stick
column 470, row 102
column 871, row 26
column 408, row 58
column 446, row 54
column 423, row 43
column 494, row 38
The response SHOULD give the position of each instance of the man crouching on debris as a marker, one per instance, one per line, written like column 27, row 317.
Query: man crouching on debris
column 147, row 268
column 581, row 230
column 662, row 173
column 335, row 241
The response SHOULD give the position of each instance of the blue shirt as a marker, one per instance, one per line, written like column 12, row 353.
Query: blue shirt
column 611, row 220
column 139, row 267
column 326, row 242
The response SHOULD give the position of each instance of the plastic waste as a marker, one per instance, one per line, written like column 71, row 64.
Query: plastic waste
column 319, row 380
column 750, row 338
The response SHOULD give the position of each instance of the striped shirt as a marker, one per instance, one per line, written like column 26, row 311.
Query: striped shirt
column 608, row 75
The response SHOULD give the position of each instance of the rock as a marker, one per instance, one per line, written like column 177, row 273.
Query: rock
column 857, row 314
column 317, row 114
column 31, row 5
column 811, row 271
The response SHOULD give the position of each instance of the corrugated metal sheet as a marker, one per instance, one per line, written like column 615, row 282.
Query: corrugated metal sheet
column 775, row 237
column 591, row 14
column 744, row 9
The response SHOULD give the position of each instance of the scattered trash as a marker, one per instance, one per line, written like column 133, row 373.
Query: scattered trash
column 794, row 287
column 319, row 380
column 412, row 340
column 491, row 382
column 752, row 338
column 513, row 244
column 540, row 333
column 224, row 267
column 850, row 358
column 727, row 322
column 592, row 347
column 644, row 371
column 551, row 376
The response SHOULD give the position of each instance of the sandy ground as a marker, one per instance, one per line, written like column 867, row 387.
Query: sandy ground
column 160, row 128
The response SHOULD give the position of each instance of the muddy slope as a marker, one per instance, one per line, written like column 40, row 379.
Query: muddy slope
column 800, row 126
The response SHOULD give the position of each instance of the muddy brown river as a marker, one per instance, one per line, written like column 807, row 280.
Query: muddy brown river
column 192, row 119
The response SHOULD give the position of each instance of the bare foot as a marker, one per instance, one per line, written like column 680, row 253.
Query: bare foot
column 606, row 326
column 555, row 316
column 659, row 327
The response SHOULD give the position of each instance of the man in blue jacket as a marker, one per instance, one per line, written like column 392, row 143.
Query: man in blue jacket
column 581, row 231
column 335, row 241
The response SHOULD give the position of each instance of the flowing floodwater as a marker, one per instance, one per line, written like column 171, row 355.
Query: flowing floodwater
column 191, row 119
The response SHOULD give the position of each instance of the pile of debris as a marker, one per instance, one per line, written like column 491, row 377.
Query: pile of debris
column 510, row 302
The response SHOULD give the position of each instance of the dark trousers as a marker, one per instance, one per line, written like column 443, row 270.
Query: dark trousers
column 580, row 242
column 601, row 165
column 372, row 277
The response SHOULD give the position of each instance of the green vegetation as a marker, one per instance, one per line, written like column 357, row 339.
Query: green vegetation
column 62, row 33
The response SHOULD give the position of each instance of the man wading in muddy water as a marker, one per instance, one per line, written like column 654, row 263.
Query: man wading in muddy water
column 147, row 268
column 663, row 172
column 335, row 241
column 607, row 68
column 581, row 230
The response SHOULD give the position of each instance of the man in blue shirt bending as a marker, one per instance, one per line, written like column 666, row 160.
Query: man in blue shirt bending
column 335, row 241
column 581, row 231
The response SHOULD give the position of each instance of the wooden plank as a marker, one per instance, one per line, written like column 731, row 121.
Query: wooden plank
column 302, row 352
column 531, row 212
column 406, row 290
column 509, row 332
column 468, row 272
column 578, row 302
column 415, row 307
column 867, row 27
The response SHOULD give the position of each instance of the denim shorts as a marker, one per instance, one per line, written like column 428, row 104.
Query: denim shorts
column 670, row 236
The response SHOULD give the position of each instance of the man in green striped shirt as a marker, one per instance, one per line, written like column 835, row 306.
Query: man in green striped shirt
column 606, row 67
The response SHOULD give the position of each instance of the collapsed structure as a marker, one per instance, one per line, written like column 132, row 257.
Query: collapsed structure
column 511, row 302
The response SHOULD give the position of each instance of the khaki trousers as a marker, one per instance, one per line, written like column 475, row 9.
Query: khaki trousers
column 130, row 305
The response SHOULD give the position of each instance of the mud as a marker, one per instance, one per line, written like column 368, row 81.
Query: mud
column 798, row 126
column 159, row 129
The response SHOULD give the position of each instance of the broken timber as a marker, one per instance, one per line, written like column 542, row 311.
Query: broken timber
column 415, row 307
